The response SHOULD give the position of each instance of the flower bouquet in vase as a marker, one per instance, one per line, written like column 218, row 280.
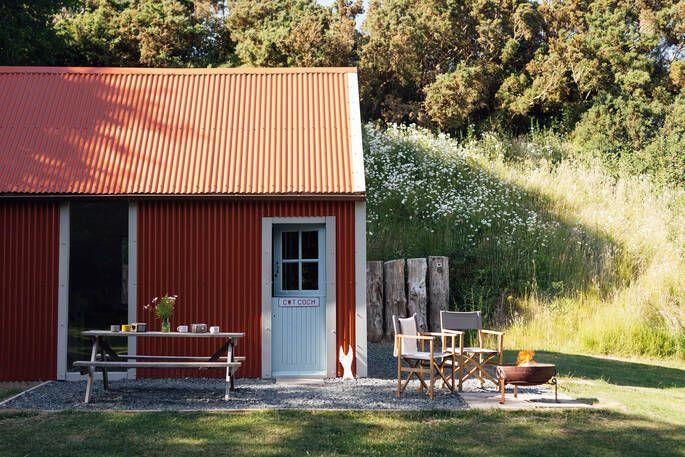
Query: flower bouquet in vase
column 163, row 308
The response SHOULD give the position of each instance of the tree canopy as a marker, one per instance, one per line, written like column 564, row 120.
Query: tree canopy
column 142, row 33
column 27, row 35
column 292, row 32
column 609, row 73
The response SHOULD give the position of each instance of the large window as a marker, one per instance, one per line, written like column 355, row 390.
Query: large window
column 98, row 273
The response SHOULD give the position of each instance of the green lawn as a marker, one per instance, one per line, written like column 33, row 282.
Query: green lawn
column 642, row 414
column 651, row 389
column 337, row 433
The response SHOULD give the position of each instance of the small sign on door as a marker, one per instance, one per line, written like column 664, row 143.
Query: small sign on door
column 298, row 302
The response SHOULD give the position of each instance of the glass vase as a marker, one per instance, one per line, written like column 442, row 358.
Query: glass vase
column 166, row 325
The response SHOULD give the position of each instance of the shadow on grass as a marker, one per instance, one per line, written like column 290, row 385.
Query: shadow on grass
column 579, row 432
column 618, row 372
column 622, row 373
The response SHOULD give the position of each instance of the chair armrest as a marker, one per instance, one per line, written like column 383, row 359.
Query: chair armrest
column 400, row 337
column 414, row 337
column 500, row 339
column 439, row 334
column 452, row 335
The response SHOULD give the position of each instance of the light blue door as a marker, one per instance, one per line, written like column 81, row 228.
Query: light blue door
column 298, row 339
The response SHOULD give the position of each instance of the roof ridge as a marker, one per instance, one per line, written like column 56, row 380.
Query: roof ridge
column 171, row 71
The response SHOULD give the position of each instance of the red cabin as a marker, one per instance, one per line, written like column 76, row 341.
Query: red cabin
column 240, row 190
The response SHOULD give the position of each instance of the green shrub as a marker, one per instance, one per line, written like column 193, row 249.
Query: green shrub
column 664, row 157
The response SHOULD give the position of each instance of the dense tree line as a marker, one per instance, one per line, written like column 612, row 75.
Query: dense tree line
column 609, row 73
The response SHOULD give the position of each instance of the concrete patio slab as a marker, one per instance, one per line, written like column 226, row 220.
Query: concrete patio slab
column 528, row 398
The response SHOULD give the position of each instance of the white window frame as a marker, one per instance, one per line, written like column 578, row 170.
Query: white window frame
column 320, row 259
column 63, row 372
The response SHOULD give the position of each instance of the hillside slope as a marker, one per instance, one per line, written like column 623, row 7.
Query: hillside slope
column 553, row 249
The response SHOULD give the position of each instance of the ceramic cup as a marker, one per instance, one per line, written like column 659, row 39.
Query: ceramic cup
column 214, row 329
column 115, row 328
column 182, row 329
column 126, row 328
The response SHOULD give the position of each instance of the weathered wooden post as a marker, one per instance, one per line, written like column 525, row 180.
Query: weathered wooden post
column 395, row 298
column 416, row 286
column 374, row 301
column 438, row 288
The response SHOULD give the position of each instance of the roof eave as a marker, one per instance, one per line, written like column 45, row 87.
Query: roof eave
column 170, row 71
column 353, row 196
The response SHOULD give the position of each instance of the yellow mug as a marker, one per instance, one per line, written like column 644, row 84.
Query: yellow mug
column 126, row 328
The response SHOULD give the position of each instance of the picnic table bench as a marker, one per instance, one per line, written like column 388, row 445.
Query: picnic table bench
column 104, row 357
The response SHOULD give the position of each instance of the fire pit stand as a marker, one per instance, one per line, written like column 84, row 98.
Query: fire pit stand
column 527, row 375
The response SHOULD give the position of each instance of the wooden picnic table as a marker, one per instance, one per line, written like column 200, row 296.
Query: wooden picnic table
column 104, row 357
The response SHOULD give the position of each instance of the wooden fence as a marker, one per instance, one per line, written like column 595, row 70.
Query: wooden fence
column 403, row 288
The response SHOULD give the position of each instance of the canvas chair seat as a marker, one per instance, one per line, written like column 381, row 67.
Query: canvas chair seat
column 425, row 355
column 475, row 350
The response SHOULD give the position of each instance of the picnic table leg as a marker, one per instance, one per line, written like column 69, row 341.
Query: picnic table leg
column 229, row 378
column 91, row 370
column 105, row 379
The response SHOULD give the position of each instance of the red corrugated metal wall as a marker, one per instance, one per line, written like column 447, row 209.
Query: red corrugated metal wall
column 209, row 253
column 29, row 264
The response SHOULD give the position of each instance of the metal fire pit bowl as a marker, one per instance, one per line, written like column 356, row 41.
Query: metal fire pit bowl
column 526, row 375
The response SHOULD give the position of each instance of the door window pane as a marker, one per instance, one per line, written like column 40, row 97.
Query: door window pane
column 291, row 276
column 310, row 275
column 310, row 245
column 290, row 245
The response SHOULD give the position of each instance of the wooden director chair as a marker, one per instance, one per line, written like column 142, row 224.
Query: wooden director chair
column 472, row 361
column 419, row 362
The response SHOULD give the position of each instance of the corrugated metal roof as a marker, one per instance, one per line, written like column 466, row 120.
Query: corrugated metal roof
column 178, row 131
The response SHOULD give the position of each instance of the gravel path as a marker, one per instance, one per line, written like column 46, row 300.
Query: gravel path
column 207, row 394
column 377, row 392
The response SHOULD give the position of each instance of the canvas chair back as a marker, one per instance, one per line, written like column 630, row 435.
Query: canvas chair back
column 454, row 320
column 406, row 326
